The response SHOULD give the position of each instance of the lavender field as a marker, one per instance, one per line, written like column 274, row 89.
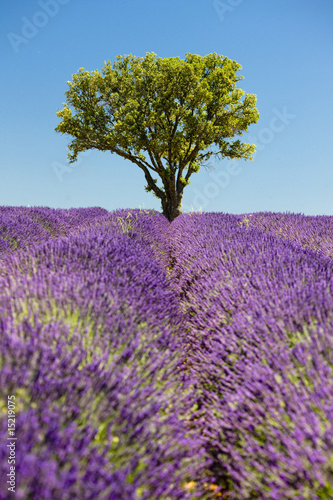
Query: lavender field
column 164, row 361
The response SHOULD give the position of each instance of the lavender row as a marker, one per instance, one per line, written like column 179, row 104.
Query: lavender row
column 90, row 346
column 314, row 232
column 21, row 227
column 260, row 346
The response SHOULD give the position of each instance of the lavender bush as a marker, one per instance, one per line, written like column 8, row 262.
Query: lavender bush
column 313, row 232
column 90, row 346
column 260, row 317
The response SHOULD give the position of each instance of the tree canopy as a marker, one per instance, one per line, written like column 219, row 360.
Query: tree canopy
column 166, row 115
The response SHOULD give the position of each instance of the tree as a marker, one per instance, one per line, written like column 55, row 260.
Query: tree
column 168, row 116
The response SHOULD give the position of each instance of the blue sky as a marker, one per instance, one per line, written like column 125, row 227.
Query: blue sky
column 286, row 52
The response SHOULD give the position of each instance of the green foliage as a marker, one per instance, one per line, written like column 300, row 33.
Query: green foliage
column 127, row 223
column 164, row 115
column 246, row 220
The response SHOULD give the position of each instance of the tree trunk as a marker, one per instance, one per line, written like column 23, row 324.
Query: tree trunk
column 171, row 204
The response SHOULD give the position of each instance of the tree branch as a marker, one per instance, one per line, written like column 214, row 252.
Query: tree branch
column 144, row 166
column 170, row 141
column 189, row 173
column 156, row 157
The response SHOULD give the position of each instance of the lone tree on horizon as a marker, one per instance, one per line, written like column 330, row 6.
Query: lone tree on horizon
column 168, row 116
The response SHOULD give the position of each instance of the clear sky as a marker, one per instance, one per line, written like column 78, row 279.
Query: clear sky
column 285, row 48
